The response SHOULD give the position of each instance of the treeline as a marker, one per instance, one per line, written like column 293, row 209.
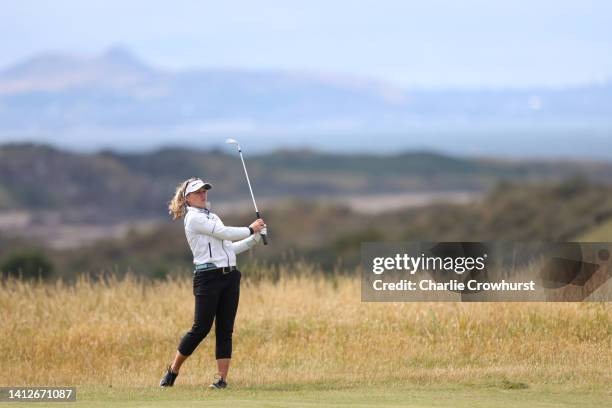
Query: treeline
column 331, row 236
column 110, row 186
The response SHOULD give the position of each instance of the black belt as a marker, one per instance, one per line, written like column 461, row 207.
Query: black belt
column 224, row 270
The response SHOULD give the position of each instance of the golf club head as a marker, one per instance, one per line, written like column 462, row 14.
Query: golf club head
column 233, row 141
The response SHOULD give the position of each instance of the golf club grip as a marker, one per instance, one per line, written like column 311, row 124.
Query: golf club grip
column 263, row 237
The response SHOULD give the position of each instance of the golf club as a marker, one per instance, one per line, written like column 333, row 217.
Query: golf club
column 235, row 142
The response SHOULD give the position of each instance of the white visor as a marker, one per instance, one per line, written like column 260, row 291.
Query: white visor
column 195, row 185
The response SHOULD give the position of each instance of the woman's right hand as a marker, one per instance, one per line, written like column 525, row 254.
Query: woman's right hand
column 257, row 225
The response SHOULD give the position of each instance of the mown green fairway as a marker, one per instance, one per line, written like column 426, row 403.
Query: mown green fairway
column 391, row 395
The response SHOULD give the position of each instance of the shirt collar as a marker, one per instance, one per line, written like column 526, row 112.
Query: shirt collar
column 200, row 210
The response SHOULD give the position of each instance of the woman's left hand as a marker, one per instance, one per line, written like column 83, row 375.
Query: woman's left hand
column 264, row 231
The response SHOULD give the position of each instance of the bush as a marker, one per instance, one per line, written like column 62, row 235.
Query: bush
column 30, row 264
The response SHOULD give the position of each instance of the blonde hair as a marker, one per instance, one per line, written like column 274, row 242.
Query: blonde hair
column 178, row 204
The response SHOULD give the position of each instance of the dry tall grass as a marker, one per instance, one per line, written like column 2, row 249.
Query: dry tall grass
column 298, row 330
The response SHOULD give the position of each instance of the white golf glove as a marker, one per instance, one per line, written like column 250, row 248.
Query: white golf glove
column 264, row 231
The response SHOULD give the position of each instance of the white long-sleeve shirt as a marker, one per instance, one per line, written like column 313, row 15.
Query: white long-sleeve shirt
column 211, row 241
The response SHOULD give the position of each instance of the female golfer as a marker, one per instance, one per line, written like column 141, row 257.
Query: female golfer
column 216, row 280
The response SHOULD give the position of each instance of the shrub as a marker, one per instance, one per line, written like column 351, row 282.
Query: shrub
column 27, row 264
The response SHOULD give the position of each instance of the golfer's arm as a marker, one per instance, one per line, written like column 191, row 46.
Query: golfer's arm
column 218, row 230
column 245, row 244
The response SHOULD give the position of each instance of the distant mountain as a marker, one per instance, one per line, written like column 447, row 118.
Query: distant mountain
column 118, row 100
column 117, row 90
column 111, row 186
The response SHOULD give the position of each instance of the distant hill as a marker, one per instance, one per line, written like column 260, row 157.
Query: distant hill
column 111, row 186
column 118, row 100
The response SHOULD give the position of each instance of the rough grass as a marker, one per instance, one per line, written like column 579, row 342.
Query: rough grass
column 306, row 332
column 598, row 233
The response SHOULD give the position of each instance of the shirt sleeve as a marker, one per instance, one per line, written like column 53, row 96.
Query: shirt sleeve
column 201, row 224
column 246, row 243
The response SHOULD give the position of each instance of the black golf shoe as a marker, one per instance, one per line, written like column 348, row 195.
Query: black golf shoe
column 168, row 378
column 218, row 384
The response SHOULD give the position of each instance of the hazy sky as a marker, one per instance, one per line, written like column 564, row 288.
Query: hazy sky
column 413, row 43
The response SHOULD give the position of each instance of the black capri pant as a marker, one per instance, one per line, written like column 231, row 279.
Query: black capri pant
column 216, row 298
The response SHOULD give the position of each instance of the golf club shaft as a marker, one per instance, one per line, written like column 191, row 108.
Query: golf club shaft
column 263, row 237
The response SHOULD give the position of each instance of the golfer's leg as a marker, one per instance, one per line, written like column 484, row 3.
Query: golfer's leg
column 179, row 359
column 205, row 307
column 223, row 367
column 224, row 323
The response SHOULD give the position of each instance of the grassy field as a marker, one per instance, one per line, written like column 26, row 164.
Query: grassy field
column 305, row 341
column 389, row 395
column 599, row 233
